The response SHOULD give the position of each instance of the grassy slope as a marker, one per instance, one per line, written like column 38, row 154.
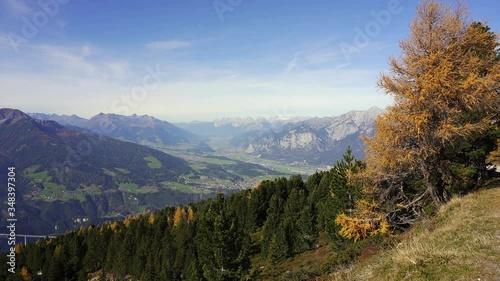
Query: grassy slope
column 462, row 242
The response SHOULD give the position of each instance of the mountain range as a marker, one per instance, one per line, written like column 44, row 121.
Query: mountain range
column 63, row 173
column 145, row 130
column 311, row 139
column 315, row 140
column 234, row 126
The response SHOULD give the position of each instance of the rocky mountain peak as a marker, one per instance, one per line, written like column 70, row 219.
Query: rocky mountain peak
column 10, row 116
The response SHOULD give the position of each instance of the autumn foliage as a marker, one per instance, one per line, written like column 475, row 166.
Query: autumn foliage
column 435, row 139
column 367, row 221
column 444, row 121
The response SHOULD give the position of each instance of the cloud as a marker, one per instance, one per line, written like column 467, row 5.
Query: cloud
column 17, row 7
column 4, row 40
column 73, row 63
column 117, row 68
column 84, row 79
column 293, row 63
column 69, row 60
column 168, row 45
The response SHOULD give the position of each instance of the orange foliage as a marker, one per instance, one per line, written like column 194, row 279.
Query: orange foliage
column 151, row 218
column 495, row 155
column 18, row 248
column 129, row 219
column 445, row 87
column 191, row 214
column 114, row 226
column 179, row 216
column 25, row 275
column 365, row 222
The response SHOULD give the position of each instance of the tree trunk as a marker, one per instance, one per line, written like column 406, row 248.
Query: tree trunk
column 437, row 192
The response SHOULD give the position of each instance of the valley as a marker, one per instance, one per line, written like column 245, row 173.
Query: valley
column 75, row 171
column 89, row 171
column 249, row 140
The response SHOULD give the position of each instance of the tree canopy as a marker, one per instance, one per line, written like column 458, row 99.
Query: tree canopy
column 444, row 121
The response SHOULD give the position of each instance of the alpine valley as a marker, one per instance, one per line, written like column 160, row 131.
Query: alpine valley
column 73, row 171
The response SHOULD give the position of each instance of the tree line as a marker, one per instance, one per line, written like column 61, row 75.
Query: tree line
column 209, row 240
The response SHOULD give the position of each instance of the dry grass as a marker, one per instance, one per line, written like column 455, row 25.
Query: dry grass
column 461, row 243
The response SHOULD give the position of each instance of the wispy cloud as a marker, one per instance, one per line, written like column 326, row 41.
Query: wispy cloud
column 73, row 63
column 168, row 45
column 4, row 40
column 68, row 59
column 17, row 7
column 293, row 63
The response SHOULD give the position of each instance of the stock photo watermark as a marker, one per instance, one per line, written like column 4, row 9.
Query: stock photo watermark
column 150, row 82
column 11, row 211
column 48, row 9
column 364, row 36
column 124, row 105
column 223, row 6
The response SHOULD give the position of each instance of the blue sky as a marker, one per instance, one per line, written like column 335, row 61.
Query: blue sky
column 183, row 60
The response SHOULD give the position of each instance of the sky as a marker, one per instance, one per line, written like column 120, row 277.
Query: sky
column 184, row 60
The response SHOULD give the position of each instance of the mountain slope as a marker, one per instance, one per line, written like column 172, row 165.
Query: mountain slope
column 232, row 127
column 31, row 142
column 62, row 173
column 316, row 140
column 71, row 120
column 145, row 130
column 461, row 243
column 261, row 233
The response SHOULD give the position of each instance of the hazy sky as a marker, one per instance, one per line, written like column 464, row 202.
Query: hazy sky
column 183, row 60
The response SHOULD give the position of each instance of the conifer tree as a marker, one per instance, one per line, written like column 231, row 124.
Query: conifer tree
column 274, row 218
column 222, row 243
column 446, row 92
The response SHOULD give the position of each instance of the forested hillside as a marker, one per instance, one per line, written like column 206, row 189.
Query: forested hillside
column 211, row 240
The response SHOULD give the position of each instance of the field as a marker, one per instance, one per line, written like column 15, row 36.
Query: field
column 184, row 188
column 153, row 163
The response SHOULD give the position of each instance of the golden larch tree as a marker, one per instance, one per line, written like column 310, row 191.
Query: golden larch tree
column 179, row 215
column 446, row 91
column 25, row 275
column 190, row 214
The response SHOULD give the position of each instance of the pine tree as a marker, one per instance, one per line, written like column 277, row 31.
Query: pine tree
column 274, row 218
column 307, row 227
column 222, row 243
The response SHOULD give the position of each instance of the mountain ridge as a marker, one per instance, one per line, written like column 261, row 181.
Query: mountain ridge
column 82, row 174
column 316, row 140
column 145, row 129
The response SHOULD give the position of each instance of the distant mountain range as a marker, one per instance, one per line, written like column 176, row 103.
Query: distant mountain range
column 63, row 173
column 314, row 140
column 234, row 126
column 310, row 140
column 304, row 139
column 145, row 130
column 71, row 120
